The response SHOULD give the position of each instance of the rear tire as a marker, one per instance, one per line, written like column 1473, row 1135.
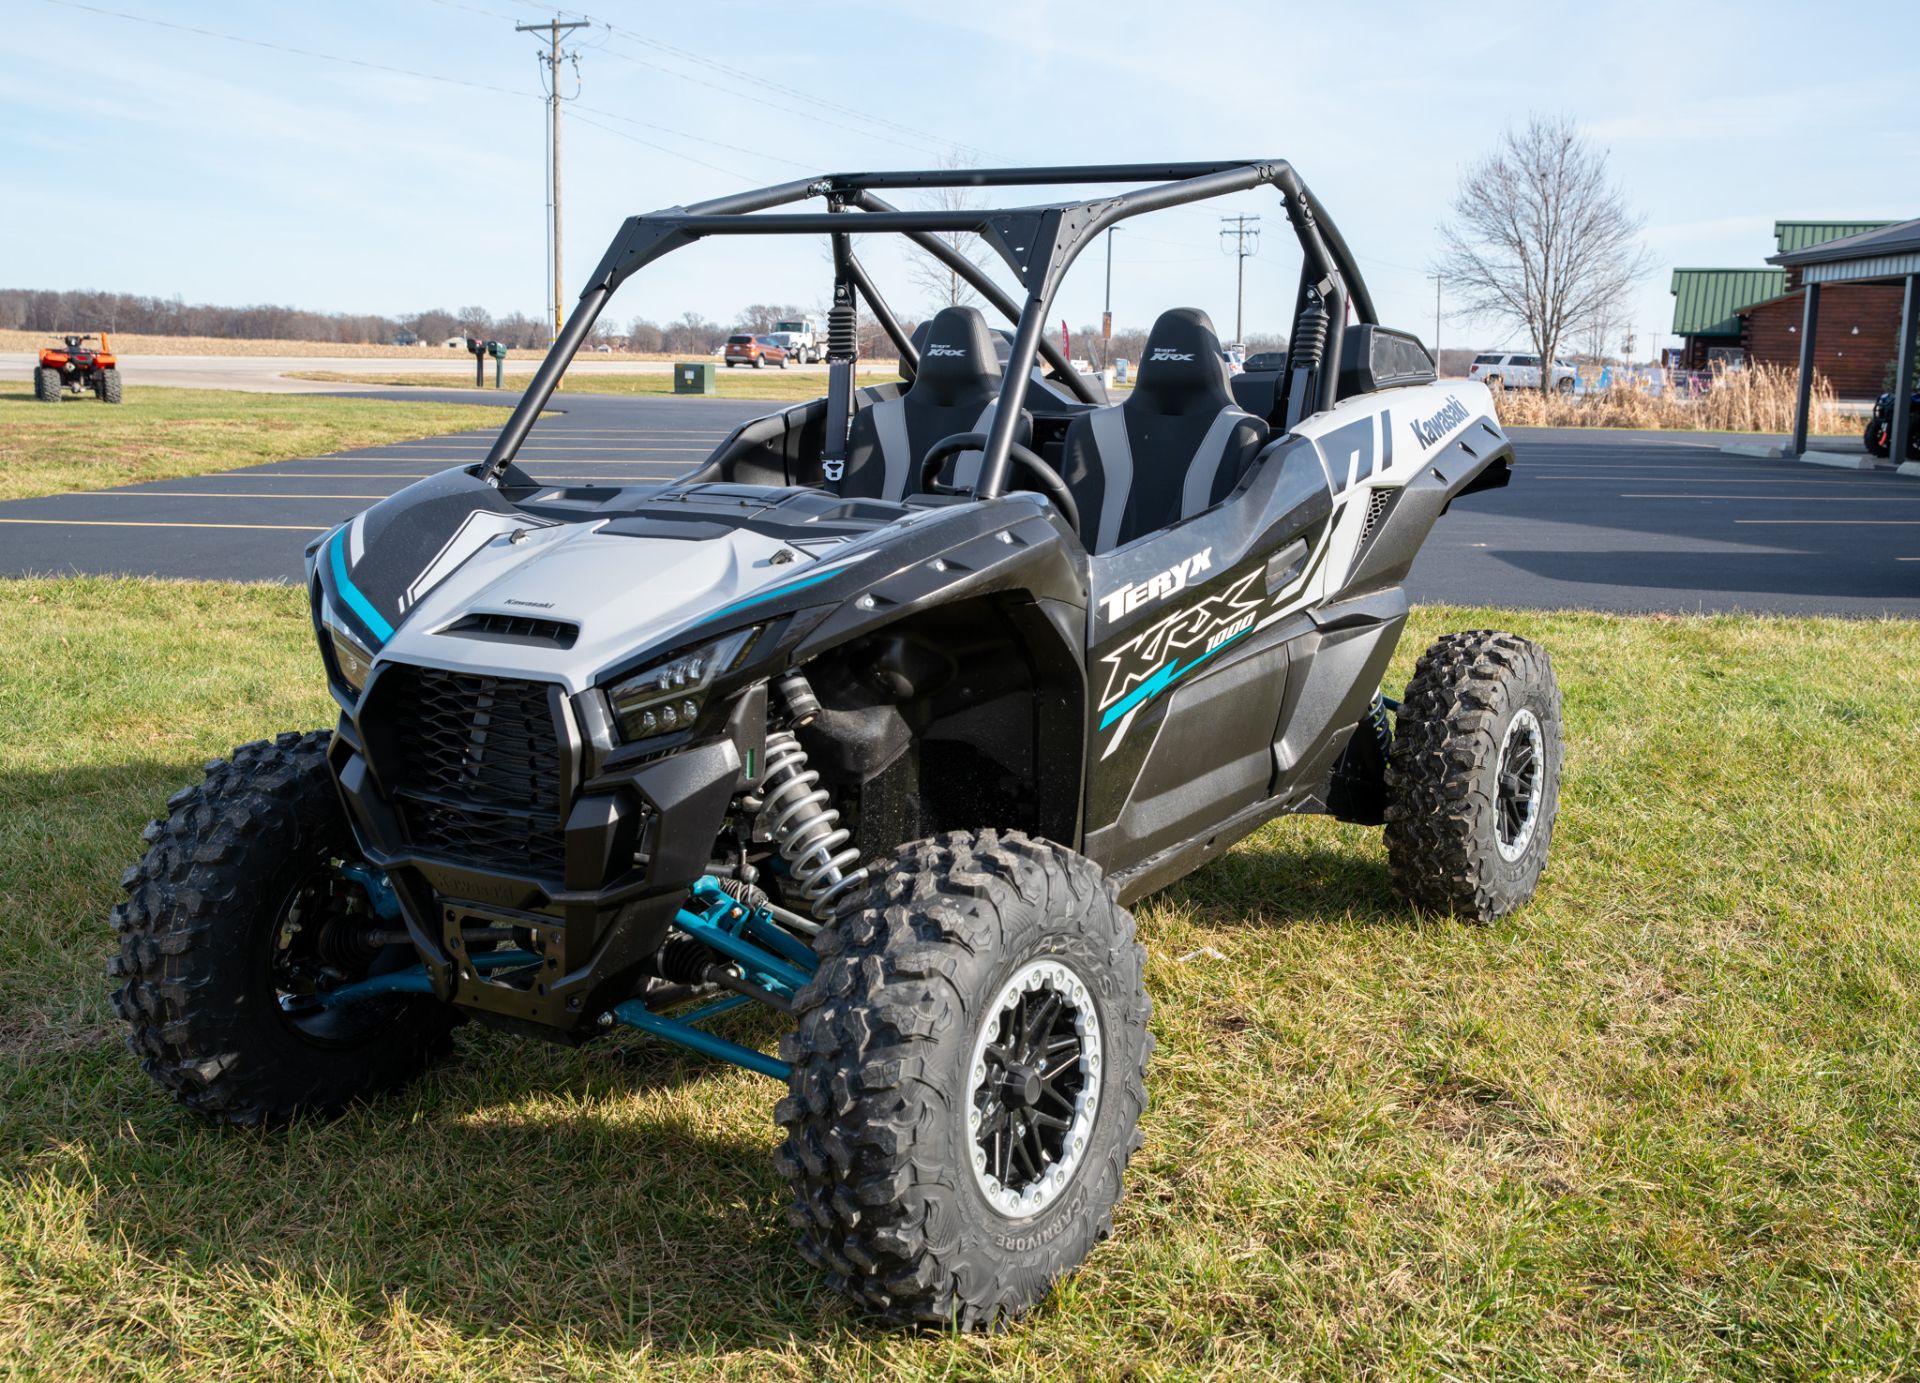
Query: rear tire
column 46, row 384
column 1473, row 779
column 234, row 882
column 921, row 1078
column 109, row 389
column 758, row 362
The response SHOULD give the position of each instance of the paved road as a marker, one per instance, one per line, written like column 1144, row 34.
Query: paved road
column 266, row 374
column 1593, row 520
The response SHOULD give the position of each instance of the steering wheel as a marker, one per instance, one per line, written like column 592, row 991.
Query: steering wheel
column 1049, row 479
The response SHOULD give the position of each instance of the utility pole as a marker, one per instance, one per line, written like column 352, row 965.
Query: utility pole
column 1106, row 315
column 1436, row 319
column 1243, row 229
column 553, row 28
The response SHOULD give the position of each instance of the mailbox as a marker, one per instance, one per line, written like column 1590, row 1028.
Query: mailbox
column 499, row 354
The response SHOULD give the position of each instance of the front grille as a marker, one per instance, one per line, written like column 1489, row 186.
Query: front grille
column 479, row 765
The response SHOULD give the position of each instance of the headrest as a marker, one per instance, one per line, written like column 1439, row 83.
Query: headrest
column 957, row 358
column 1181, row 370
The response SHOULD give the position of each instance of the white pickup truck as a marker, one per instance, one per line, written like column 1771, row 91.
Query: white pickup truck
column 803, row 341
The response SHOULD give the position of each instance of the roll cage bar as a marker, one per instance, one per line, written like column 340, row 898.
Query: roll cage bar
column 1039, row 243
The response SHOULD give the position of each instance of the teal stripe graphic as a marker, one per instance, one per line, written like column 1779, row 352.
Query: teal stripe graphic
column 375, row 621
column 1164, row 676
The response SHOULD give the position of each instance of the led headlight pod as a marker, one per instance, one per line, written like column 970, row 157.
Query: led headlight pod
column 668, row 696
column 350, row 658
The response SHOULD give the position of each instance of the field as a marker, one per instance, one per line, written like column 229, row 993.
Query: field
column 1663, row 1124
column 161, row 434
column 778, row 385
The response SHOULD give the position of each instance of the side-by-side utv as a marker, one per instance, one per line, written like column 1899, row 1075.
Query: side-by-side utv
column 876, row 721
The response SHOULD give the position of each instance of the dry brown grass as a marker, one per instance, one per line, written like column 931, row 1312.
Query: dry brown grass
column 1756, row 399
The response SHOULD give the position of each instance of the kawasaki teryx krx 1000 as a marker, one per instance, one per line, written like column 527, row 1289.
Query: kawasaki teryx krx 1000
column 876, row 721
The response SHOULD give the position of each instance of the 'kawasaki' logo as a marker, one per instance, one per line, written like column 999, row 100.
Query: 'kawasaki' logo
column 937, row 348
column 1175, row 578
column 1441, row 423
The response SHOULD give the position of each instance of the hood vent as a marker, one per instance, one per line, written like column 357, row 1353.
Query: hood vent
column 520, row 629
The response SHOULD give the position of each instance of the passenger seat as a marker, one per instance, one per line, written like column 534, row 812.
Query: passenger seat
column 1177, row 446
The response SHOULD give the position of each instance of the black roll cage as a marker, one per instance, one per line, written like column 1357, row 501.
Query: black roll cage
column 1039, row 243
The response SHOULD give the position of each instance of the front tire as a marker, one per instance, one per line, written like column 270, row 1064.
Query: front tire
column 1878, row 439
column 969, row 1071
column 1473, row 779
column 46, row 384
column 233, row 910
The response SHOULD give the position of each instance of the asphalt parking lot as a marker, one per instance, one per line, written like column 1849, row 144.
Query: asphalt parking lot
column 1593, row 520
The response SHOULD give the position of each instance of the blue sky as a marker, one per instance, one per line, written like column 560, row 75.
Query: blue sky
column 234, row 173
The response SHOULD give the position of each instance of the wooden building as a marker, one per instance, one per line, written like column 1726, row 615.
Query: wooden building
column 1756, row 315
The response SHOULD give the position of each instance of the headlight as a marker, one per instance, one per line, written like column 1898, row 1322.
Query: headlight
column 668, row 696
column 350, row 660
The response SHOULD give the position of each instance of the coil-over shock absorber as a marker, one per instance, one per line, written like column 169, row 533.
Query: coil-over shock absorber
column 796, row 815
column 1308, row 351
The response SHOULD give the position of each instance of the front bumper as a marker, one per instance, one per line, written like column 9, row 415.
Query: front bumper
column 621, row 840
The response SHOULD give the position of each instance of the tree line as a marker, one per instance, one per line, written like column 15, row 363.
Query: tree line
column 692, row 333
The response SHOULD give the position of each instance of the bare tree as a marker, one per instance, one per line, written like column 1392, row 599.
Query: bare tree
column 1541, row 238
column 943, row 285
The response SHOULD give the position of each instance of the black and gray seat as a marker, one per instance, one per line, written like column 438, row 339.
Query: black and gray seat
column 955, row 390
column 1178, row 445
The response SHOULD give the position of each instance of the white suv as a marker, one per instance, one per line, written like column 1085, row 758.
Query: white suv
column 1520, row 372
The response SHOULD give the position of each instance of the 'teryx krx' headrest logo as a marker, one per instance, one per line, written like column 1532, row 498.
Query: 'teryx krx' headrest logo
column 1169, row 353
column 1440, row 424
column 941, row 348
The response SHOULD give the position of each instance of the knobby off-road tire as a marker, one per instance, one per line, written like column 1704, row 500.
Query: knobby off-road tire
column 206, row 912
column 887, row 1164
column 46, row 384
column 1473, row 779
column 109, row 390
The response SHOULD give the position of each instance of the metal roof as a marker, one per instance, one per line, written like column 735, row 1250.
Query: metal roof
column 1790, row 236
column 1706, row 302
column 1894, row 238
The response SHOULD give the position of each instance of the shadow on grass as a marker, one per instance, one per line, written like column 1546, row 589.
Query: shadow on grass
column 1282, row 877
column 620, row 1196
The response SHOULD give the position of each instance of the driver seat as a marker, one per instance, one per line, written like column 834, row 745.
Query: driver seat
column 956, row 389
column 1177, row 446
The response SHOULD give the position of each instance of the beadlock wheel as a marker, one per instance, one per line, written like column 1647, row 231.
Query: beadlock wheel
column 1036, row 1072
column 1518, row 775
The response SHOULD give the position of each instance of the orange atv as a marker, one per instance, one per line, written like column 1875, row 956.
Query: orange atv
column 74, row 368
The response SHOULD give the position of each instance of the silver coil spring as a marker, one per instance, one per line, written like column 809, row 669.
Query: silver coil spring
column 805, row 830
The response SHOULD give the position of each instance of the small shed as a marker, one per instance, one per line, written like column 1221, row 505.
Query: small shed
column 1888, row 255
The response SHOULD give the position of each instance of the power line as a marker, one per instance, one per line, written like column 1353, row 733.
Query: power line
column 288, row 48
column 812, row 103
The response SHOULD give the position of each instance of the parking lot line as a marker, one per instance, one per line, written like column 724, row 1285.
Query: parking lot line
column 1831, row 523
column 150, row 523
column 200, row 494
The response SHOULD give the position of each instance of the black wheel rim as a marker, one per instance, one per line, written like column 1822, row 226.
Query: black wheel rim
column 1036, row 1075
column 1517, row 778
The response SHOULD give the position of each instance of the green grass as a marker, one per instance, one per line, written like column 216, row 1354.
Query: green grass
column 162, row 434
column 1665, row 1123
column 783, row 386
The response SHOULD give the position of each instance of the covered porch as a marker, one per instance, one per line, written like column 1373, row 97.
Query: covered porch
column 1887, row 255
